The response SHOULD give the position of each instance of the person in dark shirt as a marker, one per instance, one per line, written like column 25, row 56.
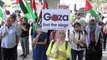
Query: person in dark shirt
column 25, row 38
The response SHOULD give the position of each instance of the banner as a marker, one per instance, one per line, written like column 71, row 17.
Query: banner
column 60, row 6
column 55, row 19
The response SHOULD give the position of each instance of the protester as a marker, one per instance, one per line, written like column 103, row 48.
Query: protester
column 93, row 41
column 39, row 44
column 25, row 37
column 57, row 49
column 105, row 36
column 77, row 38
column 1, row 23
column 10, row 40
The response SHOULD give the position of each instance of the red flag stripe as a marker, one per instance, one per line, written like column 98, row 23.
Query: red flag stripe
column 17, row 1
column 87, row 6
column 33, row 4
column 45, row 5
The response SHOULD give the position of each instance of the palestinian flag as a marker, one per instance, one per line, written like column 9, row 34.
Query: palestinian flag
column 26, row 9
column 45, row 6
column 89, row 10
column 34, row 8
column 33, row 5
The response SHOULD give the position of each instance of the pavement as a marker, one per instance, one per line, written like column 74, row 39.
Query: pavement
column 29, row 57
column 104, row 55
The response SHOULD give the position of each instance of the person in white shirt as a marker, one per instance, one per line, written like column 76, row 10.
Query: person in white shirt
column 77, row 38
column 9, row 35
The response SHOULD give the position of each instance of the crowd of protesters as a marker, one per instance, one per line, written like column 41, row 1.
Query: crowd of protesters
column 89, row 37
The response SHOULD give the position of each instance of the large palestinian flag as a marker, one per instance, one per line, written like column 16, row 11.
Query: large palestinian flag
column 23, row 4
column 89, row 10
column 34, row 8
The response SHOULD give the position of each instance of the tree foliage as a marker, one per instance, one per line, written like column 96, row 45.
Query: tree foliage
column 97, row 3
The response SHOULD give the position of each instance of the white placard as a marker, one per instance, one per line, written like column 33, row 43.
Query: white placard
column 55, row 19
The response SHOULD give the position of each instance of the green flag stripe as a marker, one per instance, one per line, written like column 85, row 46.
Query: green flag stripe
column 24, row 9
column 30, row 11
column 93, row 13
column 1, row 14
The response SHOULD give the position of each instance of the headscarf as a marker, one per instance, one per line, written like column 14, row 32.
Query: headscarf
column 92, row 25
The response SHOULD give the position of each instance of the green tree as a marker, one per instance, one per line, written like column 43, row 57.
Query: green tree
column 97, row 3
